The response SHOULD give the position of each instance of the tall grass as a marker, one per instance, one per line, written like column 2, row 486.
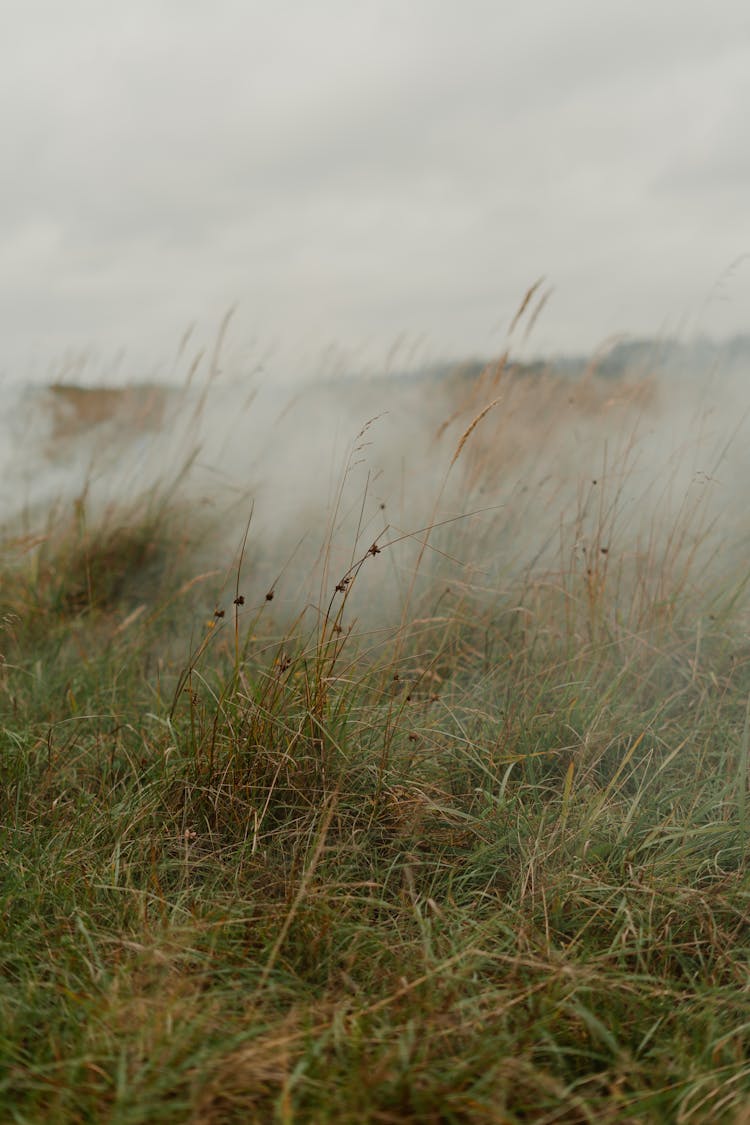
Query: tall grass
column 459, row 835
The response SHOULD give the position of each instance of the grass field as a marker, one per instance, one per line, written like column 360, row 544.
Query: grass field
column 424, row 840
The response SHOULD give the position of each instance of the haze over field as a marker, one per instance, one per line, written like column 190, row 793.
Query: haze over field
column 367, row 177
column 374, row 665
column 646, row 456
column 374, row 187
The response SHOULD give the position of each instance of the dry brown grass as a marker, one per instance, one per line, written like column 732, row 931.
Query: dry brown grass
column 485, row 867
column 537, row 413
column 75, row 410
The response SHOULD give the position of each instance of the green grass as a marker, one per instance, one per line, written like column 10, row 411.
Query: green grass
column 488, row 867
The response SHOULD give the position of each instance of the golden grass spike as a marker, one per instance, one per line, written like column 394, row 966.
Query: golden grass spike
column 471, row 427
column 524, row 304
column 537, row 311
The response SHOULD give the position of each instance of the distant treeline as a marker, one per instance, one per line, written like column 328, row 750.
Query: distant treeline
column 627, row 357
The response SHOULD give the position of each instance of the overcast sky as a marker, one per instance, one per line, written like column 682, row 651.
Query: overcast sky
column 355, row 173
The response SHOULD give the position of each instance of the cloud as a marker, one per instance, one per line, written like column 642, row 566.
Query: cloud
column 354, row 171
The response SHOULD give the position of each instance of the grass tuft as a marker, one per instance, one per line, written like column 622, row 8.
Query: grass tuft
column 269, row 863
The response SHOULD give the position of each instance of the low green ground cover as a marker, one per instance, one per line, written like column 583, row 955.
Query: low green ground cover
column 490, row 866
